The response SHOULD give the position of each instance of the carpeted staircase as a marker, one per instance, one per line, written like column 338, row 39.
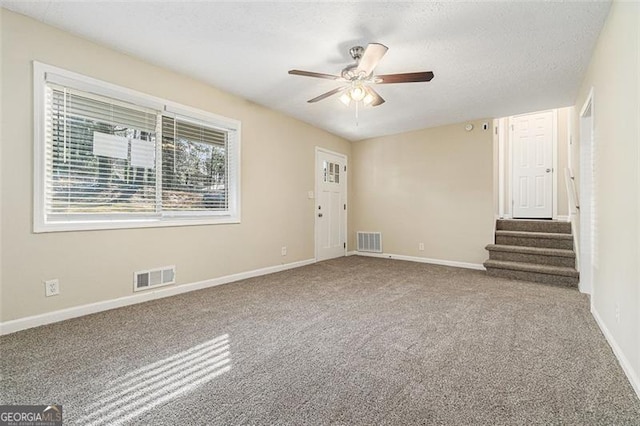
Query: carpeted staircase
column 533, row 250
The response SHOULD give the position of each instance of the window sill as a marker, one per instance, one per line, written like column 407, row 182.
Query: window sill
column 62, row 226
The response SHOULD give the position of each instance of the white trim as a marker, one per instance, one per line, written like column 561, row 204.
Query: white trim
column 84, row 83
column 562, row 218
column 631, row 374
column 586, row 105
column 316, row 181
column 508, row 214
column 198, row 116
column 39, row 71
column 554, row 165
column 570, row 134
column 132, row 223
column 576, row 241
column 587, row 182
column 12, row 326
column 352, row 253
column 43, row 73
column 442, row 262
column 501, row 179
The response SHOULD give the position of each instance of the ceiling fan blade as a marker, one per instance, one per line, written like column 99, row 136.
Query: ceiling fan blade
column 314, row 74
column 410, row 77
column 377, row 99
column 372, row 55
column 327, row 94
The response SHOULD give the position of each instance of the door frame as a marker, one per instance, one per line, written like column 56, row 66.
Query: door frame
column 586, row 191
column 508, row 214
column 316, row 181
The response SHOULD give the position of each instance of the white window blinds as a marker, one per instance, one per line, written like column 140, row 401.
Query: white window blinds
column 194, row 166
column 100, row 155
column 110, row 157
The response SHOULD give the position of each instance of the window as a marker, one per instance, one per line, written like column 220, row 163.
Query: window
column 331, row 172
column 108, row 157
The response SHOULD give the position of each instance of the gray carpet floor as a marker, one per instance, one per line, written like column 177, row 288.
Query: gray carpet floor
column 348, row 341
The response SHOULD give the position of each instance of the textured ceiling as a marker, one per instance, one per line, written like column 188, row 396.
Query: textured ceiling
column 490, row 59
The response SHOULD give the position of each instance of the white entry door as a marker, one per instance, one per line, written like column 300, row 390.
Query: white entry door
column 331, row 205
column 532, row 159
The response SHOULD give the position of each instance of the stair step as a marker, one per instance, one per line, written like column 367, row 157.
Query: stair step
column 534, row 277
column 536, row 255
column 555, row 226
column 535, row 239
column 527, row 234
column 543, row 251
column 532, row 267
column 533, row 272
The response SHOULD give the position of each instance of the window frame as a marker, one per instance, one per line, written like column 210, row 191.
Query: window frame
column 43, row 73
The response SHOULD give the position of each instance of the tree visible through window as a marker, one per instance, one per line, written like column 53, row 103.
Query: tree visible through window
column 107, row 162
column 194, row 166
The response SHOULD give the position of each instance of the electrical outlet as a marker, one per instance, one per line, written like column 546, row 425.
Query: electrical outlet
column 284, row 250
column 421, row 246
column 51, row 287
column 617, row 313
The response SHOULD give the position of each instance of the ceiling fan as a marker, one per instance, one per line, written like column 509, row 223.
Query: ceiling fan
column 359, row 77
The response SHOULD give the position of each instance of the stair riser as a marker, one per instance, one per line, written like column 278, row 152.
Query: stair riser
column 529, row 226
column 534, row 242
column 533, row 276
column 532, row 258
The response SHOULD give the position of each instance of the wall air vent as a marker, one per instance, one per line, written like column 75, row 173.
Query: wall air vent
column 370, row 241
column 143, row 280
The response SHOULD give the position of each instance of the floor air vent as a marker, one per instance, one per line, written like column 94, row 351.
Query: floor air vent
column 143, row 280
column 370, row 241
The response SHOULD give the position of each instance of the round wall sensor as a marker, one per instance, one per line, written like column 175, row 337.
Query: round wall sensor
column 468, row 127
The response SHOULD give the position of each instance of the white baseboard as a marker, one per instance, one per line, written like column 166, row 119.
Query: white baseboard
column 453, row 263
column 624, row 362
column 352, row 253
column 12, row 326
column 562, row 218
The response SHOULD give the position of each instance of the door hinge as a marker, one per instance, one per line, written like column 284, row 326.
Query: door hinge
column 512, row 127
column 345, row 206
column 345, row 168
column 345, row 245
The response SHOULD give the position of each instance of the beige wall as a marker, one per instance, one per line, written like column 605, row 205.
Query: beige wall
column 614, row 73
column 433, row 186
column 277, row 171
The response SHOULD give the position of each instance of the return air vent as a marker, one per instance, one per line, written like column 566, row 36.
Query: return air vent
column 143, row 280
column 370, row 241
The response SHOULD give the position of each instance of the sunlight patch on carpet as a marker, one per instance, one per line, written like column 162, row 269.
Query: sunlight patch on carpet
column 158, row 383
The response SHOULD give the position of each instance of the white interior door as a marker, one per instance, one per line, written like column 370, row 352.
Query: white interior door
column 331, row 205
column 532, row 159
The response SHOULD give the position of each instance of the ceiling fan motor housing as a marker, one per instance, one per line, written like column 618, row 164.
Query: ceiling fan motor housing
column 356, row 52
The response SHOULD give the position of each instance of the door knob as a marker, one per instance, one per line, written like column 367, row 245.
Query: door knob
column 548, row 170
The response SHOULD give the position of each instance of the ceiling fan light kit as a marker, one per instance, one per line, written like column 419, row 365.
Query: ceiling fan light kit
column 359, row 77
